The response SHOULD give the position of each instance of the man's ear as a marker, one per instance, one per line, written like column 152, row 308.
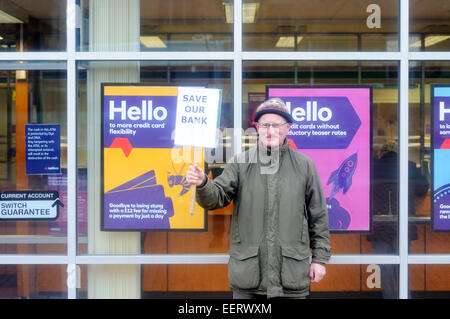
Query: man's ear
column 257, row 128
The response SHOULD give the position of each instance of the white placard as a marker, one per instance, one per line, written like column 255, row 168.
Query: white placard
column 197, row 120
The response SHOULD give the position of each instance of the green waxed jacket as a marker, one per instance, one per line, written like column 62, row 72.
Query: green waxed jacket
column 279, row 219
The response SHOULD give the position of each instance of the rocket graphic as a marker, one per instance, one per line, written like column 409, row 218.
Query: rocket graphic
column 342, row 177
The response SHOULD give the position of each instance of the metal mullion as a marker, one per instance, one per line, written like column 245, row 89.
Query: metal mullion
column 403, row 149
column 237, row 76
column 71, row 151
column 429, row 56
column 161, row 259
column 363, row 259
column 62, row 65
column 322, row 56
column 157, row 56
column 441, row 259
column 32, row 239
column 33, row 259
column 187, row 259
column 33, row 56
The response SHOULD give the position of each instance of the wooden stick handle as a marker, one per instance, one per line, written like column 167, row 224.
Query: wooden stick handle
column 192, row 203
column 196, row 159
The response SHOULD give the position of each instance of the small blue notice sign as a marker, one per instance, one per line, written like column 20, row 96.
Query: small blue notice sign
column 43, row 149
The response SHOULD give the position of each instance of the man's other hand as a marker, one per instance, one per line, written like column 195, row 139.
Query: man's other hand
column 316, row 272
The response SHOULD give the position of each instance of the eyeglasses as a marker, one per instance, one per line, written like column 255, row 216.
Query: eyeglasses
column 268, row 125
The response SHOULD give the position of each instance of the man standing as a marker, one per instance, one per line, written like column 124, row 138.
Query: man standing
column 280, row 216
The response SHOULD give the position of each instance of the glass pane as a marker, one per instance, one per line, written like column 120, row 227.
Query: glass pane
column 293, row 25
column 429, row 29
column 157, row 25
column 33, row 151
column 426, row 234
column 33, row 281
column 383, row 77
column 157, row 160
column 429, row 281
column 32, row 25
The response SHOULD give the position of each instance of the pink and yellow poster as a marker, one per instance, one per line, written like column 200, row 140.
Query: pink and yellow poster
column 144, row 186
column 332, row 126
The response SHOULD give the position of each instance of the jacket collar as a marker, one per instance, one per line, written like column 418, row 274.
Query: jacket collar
column 282, row 149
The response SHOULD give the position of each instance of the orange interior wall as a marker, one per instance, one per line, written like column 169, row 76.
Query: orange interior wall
column 25, row 273
column 21, row 120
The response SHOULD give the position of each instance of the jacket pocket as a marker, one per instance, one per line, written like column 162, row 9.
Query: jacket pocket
column 294, row 268
column 243, row 267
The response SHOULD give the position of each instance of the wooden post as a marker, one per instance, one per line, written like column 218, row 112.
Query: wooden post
column 192, row 204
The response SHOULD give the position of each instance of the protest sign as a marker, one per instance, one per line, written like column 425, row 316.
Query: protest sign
column 197, row 122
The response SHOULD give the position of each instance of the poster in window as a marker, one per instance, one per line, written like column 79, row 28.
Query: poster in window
column 144, row 186
column 440, row 141
column 43, row 149
column 332, row 126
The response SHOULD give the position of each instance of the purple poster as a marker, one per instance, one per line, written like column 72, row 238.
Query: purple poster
column 144, row 186
column 332, row 126
column 440, row 206
column 137, row 117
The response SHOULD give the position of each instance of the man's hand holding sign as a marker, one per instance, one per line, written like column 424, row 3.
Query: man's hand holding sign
column 197, row 125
